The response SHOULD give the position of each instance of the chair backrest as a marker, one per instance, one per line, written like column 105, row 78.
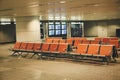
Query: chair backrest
column 70, row 41
column 53, row 47
column 23, row 45
column 56, row 40
column 86, row 42
column 17, row 45
column 76, row 42
column 45, row 47
column 93, row 49
column 37, row 46
column 114, row 38
column 98, row 39
column 49, row 40
column 30, row 46
column 105, row 41
column 95, row 42
column 106, row 50
column 62, row 41
column 63, row 47
column 82, row 48
column 114, row 42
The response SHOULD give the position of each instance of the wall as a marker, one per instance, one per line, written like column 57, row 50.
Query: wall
column 90, row 29
column 106, row 28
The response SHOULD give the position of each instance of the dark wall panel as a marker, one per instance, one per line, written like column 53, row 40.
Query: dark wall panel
column 7, row 33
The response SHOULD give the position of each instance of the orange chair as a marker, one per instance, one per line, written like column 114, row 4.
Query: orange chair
column 37, row 46
column 70, row 41
column 62, row 48
column 95, row 42
column 56, row 40
column 62, row 41
column 30, row 47
column 23, row 46
column 114, row 38
column 76, row 42
column 41, row 50
column 86, row 42
column 49, row 40
column 98, row 39
column 45, row 47
column 16, row 48
column 114, row 42
column 81, row 49
column 53, row 48
column 105, row 41
column 93, row 49
column 37, row 49
column 106, row 50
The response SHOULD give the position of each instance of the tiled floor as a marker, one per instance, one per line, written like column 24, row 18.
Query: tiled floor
column 18, row 68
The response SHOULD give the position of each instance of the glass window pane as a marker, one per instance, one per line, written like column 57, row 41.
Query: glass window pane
column 51, row 26
column 64, row 31
column 57, row 27
column 58, row 32
column 64, row 27
column 51, row 32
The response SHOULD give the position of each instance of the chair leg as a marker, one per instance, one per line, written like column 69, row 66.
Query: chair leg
column 13, row 53
column 20, row 54
column 33, row 55
column 107, row 60
column 26, row 55
column 39, row 56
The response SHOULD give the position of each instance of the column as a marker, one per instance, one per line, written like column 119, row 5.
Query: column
column 68, row 30
column 28, row 29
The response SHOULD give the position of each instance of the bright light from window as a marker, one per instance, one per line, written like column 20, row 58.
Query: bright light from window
column 4, row 19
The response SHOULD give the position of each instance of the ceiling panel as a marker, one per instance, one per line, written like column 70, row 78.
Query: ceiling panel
column 64, row 9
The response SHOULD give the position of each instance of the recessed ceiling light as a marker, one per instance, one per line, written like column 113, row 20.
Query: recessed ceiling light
column 96, row 5
column 62, row 2
column 34, row 5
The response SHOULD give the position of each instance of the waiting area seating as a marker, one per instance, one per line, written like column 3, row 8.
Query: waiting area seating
column 106, row 52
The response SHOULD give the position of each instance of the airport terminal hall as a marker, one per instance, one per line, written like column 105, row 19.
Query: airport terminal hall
column 59, row 39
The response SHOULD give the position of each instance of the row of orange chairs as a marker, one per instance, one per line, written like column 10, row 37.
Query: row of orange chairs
column 96, row 50
column 106, row 40
column 72, row 41
column 111, row 42
column 76, row 41
column 40, row 49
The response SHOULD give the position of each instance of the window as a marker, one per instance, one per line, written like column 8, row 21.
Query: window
column 57, row 28
column 76, row 29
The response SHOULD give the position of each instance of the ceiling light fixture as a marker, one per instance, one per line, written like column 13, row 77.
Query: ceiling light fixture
column 34, row 5
column 96, row 5
column 62, row 2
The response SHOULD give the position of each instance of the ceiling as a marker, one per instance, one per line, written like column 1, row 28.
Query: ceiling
column 61, row 9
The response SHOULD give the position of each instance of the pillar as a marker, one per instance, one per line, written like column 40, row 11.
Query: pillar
column 68, row 30
column 28, row 29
